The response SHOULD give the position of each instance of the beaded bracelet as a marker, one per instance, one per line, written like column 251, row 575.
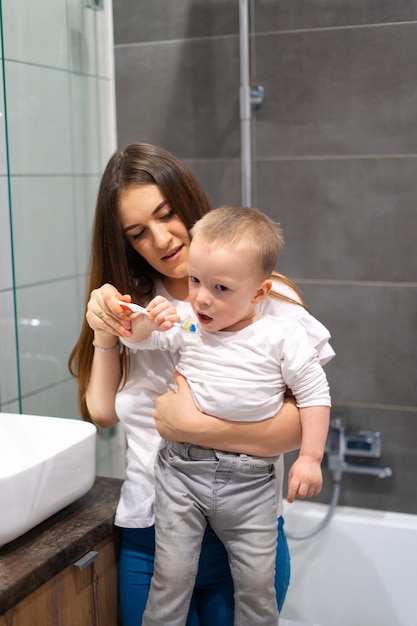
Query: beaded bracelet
column 100, row 349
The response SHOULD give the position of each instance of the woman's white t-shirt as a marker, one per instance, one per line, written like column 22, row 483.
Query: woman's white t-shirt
column 151, row 375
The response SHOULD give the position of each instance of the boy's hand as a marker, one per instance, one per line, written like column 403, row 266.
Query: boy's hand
column 162, row 313
column 305, row 478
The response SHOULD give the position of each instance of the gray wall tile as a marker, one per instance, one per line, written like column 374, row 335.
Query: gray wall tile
column 335, row 145
column 161, row 20
column 399, row 433
column 344, row 219
column 182, row 95
column 220, row 179
column 291, row 14
column 338, row 92
column 373, row 331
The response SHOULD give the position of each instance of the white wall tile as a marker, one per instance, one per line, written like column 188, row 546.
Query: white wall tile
column 81, row 37
column 111, row 452
column 10, row 407
column 39, row 122
column 48, row 329
column 8, row 362
column 44, row 228
column 6, row 281
column 104, row 26
column 85, row 193
column 3, row 166
column 107, row 129
column 60, row 138
column 58, row 400
column 36, row 32
column 85, row 124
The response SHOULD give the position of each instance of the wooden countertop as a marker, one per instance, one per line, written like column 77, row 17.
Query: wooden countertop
column 34, row 558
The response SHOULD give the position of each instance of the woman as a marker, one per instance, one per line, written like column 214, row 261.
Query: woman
column 147, row 202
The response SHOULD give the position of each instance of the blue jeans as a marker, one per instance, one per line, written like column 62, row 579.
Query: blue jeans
column 212, row 601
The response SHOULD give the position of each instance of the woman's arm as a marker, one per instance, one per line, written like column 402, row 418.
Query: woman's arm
column 105, row 377
column 178, row 419
column 106, row 370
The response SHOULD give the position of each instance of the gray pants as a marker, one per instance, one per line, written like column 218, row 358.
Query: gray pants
column 236, row 494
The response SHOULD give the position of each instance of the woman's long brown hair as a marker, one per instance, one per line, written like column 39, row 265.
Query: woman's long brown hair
column 287, row 281
column 113, row 260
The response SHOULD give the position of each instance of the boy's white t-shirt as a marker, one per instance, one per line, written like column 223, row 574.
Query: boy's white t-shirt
column 151, row 375
column 243, row 375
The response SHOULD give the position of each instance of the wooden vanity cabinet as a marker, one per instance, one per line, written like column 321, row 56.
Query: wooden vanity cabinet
column 65, row 571
column 74, row 597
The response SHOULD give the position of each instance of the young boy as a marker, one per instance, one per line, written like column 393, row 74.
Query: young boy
column 239, row 366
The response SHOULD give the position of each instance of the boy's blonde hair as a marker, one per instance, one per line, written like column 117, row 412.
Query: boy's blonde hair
column 245, row 228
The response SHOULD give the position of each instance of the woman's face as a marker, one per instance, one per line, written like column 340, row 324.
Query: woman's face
column 154, row 231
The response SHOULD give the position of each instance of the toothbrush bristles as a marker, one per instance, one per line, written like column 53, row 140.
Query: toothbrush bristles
column 188, row 326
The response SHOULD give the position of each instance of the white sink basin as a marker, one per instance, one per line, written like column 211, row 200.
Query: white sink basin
column 45, row 464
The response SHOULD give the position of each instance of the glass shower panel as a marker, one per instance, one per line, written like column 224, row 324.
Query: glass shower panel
column 55, row 130
column 9, row 372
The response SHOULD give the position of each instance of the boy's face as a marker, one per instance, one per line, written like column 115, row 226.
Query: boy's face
column 225, row 285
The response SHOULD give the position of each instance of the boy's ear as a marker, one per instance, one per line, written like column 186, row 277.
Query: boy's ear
column 262, row 291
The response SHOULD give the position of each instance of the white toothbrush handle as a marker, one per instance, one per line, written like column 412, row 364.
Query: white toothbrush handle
column 136, row 308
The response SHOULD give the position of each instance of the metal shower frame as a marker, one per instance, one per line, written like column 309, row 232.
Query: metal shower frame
column 249, row 99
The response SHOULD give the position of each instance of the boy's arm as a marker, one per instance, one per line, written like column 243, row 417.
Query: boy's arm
column 305, row 478
column 161, row 316
column 142, row 326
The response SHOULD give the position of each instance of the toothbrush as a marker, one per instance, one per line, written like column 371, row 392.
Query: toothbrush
column 136, row 308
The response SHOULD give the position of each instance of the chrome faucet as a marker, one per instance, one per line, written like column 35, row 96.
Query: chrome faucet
column 365, row 444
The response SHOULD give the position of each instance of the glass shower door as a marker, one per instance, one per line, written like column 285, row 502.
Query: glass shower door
column 57, row 132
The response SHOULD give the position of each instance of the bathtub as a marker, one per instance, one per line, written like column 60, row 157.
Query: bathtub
column 361, row 570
